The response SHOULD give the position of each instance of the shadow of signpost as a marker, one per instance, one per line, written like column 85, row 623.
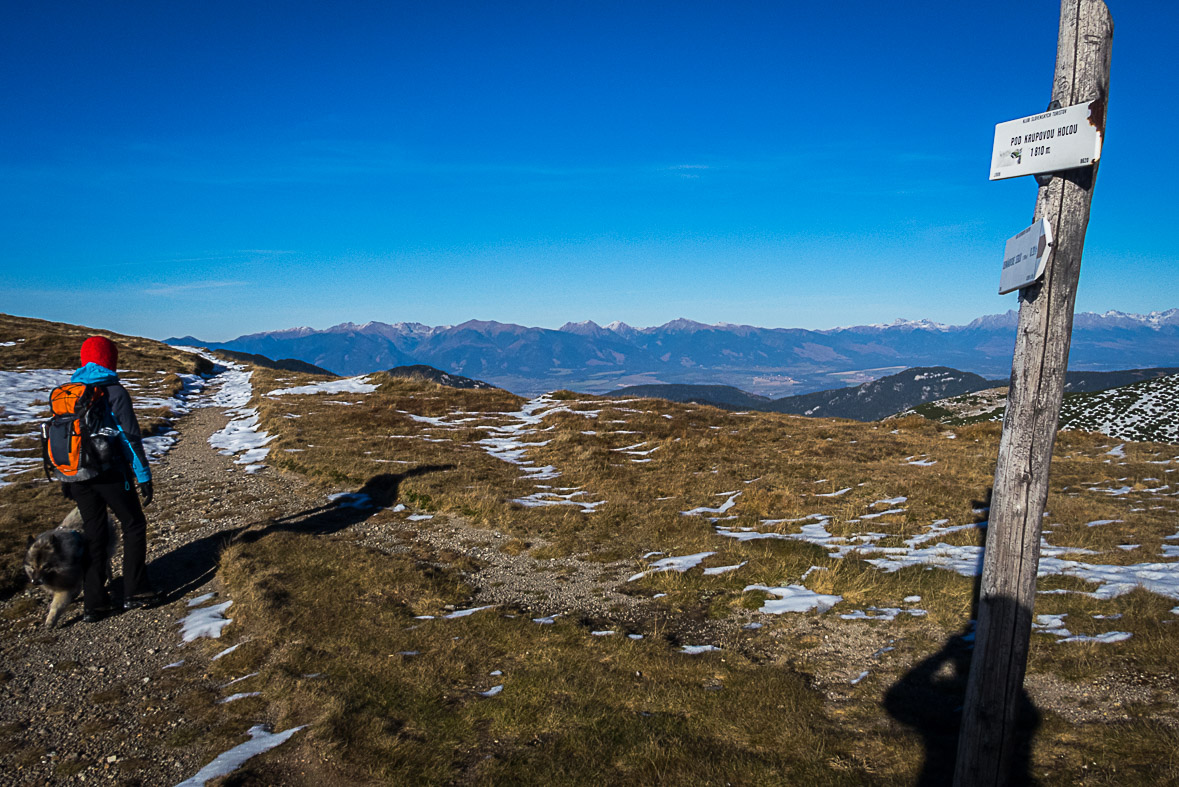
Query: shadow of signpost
column 189, row 566
column 929, row 699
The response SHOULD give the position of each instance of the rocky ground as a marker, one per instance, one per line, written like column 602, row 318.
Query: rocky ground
column 95, row 702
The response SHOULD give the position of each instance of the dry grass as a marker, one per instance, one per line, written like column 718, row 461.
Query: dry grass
column 784, row 467
column 41, row 344
column 327, row 620
column 574, row 708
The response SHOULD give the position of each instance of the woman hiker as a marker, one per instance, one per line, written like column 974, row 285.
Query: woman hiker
column 113, row 489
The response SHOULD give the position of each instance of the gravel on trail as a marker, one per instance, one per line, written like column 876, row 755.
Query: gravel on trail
column 96, row 702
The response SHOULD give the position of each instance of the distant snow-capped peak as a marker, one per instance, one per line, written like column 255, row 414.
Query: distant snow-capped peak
column 898, row 324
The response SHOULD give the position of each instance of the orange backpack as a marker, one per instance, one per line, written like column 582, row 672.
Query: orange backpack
column 73, row 445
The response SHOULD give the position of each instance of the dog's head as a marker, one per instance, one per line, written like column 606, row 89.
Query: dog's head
column 48, row 560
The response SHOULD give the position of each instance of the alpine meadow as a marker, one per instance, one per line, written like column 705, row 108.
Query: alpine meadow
column 435, row 585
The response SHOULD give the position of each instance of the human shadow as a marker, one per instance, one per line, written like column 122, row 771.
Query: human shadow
column 929, row 699
column 187, row 567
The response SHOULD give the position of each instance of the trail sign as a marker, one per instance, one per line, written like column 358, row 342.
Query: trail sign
column 1026, row 257
column 1058, row 139
column 995, row 727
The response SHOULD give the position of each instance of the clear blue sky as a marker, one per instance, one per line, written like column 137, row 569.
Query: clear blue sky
column 218, row 168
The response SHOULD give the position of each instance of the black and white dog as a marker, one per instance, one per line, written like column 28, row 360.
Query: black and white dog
column 56, row 560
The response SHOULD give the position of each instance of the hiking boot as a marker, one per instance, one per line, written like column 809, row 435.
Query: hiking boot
column 145, row 600
column 96, row 614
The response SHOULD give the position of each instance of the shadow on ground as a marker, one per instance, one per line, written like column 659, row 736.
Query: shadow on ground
column 929, row 699
column 188, row 567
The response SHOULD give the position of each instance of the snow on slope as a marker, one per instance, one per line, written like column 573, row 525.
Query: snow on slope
column 1142, row 411
column 1145, row 411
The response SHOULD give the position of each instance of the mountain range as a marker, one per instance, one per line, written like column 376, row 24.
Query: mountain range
column 772, row 362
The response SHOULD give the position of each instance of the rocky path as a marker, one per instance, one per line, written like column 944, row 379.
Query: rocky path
column 90, row 703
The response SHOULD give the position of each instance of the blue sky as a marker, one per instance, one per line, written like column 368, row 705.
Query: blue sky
column 221, row 168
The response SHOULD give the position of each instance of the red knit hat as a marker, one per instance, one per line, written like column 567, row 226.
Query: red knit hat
column 102, row 351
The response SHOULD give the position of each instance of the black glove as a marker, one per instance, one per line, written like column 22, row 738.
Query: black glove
column 145, row 491
column 67, row 491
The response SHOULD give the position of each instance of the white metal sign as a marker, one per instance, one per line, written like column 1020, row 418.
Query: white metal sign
column 1026, row 257
column 1049, row 142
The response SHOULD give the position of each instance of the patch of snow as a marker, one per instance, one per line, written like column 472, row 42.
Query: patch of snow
column 357, row 500
column 711, row 572
column 205, row 622
column 794, row 598
column 462, row 613
column 226, row 652
column 239, row 696
column 1107, row 638
column 695, row 650
column 876, row 514
column 359, row 385
column 260, row 741
column 873, row 613
column 680, row 564
column 542, row 499
column 722, row 508
column 25, row 393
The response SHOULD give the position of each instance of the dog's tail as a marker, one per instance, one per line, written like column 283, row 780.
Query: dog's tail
column 73, row 520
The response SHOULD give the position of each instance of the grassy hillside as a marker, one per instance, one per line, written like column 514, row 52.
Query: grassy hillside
column 885, row 516
column 580, row 590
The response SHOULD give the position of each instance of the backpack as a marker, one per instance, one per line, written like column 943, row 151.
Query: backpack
column 74, row 441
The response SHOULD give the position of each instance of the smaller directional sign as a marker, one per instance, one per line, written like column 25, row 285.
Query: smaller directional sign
column 1026, row 257
column 1055, row 140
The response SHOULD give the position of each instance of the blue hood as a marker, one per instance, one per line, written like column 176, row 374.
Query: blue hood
column 93, row 374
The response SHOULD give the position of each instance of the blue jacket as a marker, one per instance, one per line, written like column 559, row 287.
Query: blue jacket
column 119, row 416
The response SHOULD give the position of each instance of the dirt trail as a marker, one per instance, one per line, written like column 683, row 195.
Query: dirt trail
column 93, row 702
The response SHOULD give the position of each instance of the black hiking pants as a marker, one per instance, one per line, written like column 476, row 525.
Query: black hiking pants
column 113, row 491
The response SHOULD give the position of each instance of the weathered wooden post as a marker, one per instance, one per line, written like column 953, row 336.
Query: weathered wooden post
column 986, row 743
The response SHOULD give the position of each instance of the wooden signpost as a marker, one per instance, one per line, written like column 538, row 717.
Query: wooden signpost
column 987, row 741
